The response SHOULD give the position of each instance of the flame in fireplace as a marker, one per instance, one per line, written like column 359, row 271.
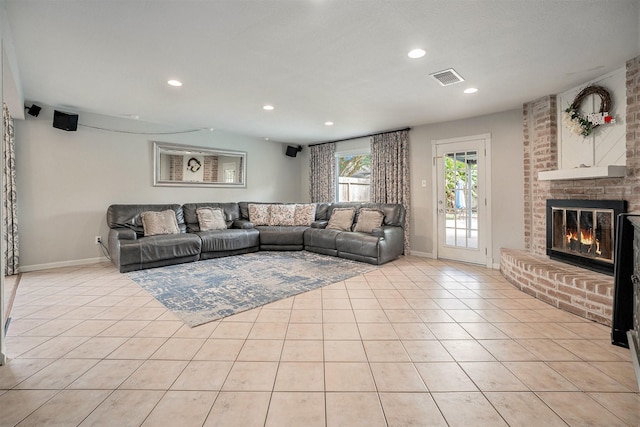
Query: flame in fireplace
column 587, row 238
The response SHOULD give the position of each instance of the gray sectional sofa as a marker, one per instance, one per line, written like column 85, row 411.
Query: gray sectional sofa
column 131, row 250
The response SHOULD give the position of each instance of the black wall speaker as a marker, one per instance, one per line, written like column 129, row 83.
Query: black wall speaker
column 34, row 110
column 65, row 121
column 293, row 151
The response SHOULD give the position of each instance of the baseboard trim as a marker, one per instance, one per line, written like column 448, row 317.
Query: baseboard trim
column 422, row 254
column 71, row 263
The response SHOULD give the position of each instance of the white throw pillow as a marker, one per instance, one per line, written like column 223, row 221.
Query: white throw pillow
column 368, row 219
column 211, row 219
column 341, row 219
column 155, row 223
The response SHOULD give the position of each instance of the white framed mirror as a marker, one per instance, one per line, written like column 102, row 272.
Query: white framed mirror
column 190, row 166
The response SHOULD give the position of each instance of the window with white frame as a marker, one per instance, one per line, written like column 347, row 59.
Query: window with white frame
column 353, row 176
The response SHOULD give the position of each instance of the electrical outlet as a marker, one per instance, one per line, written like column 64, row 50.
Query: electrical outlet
column 98, row 240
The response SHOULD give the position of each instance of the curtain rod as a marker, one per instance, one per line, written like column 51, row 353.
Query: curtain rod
column 358, row 137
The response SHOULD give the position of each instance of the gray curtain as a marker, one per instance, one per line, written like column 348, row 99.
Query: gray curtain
column 390, row 173
column 322, row 176
column 10, row 226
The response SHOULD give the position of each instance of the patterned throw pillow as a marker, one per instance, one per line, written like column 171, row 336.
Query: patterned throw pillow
column 341, row 219
column 281, row 214
column 368, row 219
column 304, row 214
column 259, row 214
column 211, row 219
column 163, row 222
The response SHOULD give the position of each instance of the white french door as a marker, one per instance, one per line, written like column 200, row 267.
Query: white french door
column 462, row 182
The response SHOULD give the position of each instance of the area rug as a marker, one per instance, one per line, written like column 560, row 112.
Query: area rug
column 203, row 291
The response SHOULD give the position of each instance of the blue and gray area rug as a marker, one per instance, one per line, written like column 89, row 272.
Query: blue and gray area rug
column 203, row 291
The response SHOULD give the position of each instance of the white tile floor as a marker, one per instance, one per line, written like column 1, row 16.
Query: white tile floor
column 416, row 342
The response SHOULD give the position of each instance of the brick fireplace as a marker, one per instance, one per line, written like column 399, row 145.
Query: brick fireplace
column 580, row 291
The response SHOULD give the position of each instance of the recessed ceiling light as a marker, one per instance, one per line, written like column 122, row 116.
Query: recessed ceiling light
column 176, row 83
column 416, row 53
column 470, row 90
column 266, row 139
column 268, row 107
column 328, row 123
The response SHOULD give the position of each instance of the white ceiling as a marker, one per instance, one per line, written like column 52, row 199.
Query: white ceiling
column 315, row 60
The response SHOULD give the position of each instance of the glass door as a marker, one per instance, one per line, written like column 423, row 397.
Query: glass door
column 461, row 201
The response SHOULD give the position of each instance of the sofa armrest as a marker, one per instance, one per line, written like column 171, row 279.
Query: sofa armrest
column 242, row 223
column 319, row 224
column 388, row 232
column 122, row 234
column 116, row 235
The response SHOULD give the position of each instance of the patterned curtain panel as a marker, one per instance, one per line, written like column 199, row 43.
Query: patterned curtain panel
column 322, row 177
column 390, row 173
column 10, row 226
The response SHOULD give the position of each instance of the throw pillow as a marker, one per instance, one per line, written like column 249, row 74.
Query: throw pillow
column 259, row 214
column 341, row 219
column 368, row 219
column 163, row 222
column 282, row 214
column 211, row 219
column 305, row 214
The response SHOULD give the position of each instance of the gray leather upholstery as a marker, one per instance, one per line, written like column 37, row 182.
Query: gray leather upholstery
column 239, row 237
column 128, row 216
column 229, row 239
column 231, row 213
column 131, row 250
column 138, row 254
column 382, row 245
column 286, row 238
column 321, row 241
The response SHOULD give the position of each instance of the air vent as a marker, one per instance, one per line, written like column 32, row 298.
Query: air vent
column 447, row 77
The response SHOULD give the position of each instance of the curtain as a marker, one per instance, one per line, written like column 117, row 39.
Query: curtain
column 322, row 176
column 10, row 226
column 390, row 173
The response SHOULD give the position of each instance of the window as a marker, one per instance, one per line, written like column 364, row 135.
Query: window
column 354, row 177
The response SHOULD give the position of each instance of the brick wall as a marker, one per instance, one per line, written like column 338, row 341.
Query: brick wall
column 540, row 130
column 176, row 168
column 210, row 169
column 573, row 289
column 540, row 154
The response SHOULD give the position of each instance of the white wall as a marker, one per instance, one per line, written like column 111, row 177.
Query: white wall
column 506, row 170
column 67, row 180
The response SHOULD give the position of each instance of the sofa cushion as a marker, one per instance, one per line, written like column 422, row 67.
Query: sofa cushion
column 163, row 222
column 229, row 239
column 282, row 236
column 157, row 248
column 211, row 219
column 230, row 209
column 304, row 214
column 282, row 214
column 259, row 214
column 368, row 219
column 341, row 219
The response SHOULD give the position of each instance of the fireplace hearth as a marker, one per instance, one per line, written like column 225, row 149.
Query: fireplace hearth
column 582, row 232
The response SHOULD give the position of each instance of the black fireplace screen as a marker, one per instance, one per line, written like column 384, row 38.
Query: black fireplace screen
column 582, row 232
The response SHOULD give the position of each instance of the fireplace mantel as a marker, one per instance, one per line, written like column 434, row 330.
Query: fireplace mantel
column 611, row 171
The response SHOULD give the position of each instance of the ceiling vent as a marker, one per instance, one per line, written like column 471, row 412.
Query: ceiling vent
column 447, row 77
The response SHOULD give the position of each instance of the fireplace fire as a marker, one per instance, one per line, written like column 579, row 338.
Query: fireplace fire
column 582, row 232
